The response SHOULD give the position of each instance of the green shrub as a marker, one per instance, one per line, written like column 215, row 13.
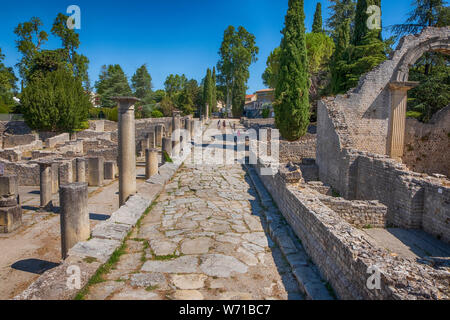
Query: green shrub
column 414, row 114
column 157, row 114
column 56, row 102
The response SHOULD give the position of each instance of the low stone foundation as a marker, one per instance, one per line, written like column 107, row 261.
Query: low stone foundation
column 344, row 255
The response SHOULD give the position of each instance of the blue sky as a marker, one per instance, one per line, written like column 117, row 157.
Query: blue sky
column 170, row 36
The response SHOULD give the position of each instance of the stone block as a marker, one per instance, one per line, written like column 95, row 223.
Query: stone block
column 8, row 185
column 10, row 219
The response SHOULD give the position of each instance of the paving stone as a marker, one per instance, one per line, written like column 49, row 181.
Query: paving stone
column 185, row 264
column 136, row 294
column 146, row 280
column 187, row 295
column 163, row 248
column 129, row 262
column 217, row 265
column 253, row 223
column 196, row 246
column 189, row 281
column 103, row 290
column 247, row 257
column 258, row 238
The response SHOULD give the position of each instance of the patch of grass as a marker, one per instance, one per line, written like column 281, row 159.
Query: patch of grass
column 448, row 134
column 166, row 258
column 335, row 194
column 90, row 260
column 167, row 158
column 368, row 226
column 330, row 290
column 151, row 288
column 102, row 271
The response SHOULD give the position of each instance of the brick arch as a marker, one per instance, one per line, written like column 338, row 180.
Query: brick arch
column 437, row 44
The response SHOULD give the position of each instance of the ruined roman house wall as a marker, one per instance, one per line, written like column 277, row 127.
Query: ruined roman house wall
column 344, row 255
column 427, row 145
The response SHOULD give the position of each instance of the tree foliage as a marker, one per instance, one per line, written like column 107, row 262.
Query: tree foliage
column 292, row 90
column 7, row 86
column 55, row 102
column 342, row 11
column 141, row 83
column 207, row 93
column 237, row 52
column 112, row 83
column 426, row 13
column 317, row 26
column 36, row 61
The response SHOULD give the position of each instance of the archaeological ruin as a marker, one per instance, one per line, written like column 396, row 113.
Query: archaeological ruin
column 358, row 208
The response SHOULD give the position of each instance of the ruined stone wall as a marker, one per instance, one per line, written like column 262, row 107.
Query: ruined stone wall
column 343, row 254
column 14, row 127
column 361, row 214
column 427, row 145
column 295, row 151
column 27, row 173
column 365, row 110
column 11, row 141
column 376, row 177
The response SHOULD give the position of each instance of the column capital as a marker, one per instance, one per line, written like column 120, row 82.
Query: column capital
column 403, row 85
column 126, row 103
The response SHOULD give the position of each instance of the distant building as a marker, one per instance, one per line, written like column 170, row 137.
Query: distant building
column 256, row 103
column 95, row 99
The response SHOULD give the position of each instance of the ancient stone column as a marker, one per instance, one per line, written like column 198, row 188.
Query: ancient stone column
column 110, row 172
column 81, row 170
column 176, row 141
column 96, row 173
column 191, row 128
column 207, row 113
column 10, row 209
column 75, row 225
column 46, row 185
column 166, row 148
column 127, row 148
column 397, row 121
column 151, row 141
column 187, row 127
column 151, row 163
column 55, row 177
column 159, row 134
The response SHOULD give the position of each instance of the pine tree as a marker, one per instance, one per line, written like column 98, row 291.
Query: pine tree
column 341, row 12
column 112, row 83
column 292, row 91
column 317, row 26
column 141, row 82
column 426, row 13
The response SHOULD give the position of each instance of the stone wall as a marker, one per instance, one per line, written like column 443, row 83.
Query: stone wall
column 14, row 127
column 361, row 214
column 365, row 176
column 27, row 173
column 295, row 151
column 343, row 254
column 361, row 117
column 59, row 139
column 427, row 145
column 11, row 141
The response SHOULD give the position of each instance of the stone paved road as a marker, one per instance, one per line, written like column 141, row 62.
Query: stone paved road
column 204, row 239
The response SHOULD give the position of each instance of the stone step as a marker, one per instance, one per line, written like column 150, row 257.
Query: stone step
column 302, row 267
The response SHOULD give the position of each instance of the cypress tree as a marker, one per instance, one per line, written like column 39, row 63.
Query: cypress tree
column 317, row 26
column 343, row 41
column 207, row 91
column 361, row 30
column 214, row 90
column 292, row 91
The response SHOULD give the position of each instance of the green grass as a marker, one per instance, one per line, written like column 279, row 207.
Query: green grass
column 368, row 226
column 102, row 271
column 90, row 260
column 167, row 158
column 151, row 288
column 330, row 290
column 335, row 194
